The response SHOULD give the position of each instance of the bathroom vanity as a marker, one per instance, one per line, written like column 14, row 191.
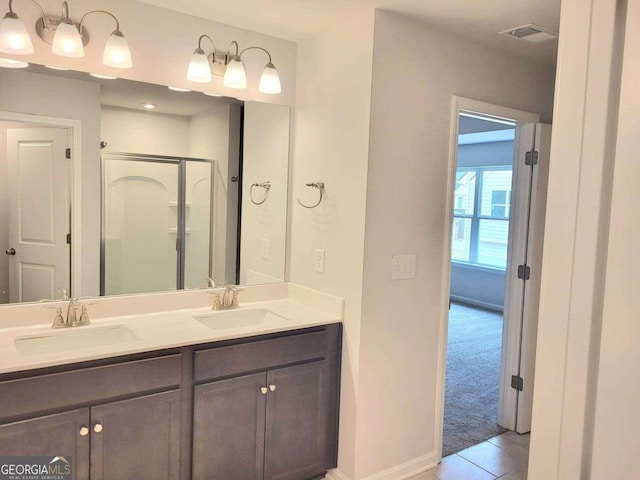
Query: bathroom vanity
column 222, row 399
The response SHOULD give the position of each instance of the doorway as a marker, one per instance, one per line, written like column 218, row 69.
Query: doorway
column 496, row 210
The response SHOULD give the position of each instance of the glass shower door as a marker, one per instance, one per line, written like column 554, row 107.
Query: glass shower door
column 140, row 225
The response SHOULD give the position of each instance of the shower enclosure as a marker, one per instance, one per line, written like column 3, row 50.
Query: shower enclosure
column 158, row 220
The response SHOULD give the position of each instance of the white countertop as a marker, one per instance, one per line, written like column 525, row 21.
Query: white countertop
column 156, row 331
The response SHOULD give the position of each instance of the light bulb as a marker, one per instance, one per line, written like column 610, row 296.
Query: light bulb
column 234, row 76
column 67, row 41
column 270, row 80
column 116, row 51
column 199, row 69
column 14, row 37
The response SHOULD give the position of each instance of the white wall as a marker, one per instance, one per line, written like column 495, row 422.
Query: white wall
column 416, row 71
column 162, row 42
column 616, row 442
column 26, row 92
column 575, row 246
column 331, row 144
column 265, row 158
column 135, row 131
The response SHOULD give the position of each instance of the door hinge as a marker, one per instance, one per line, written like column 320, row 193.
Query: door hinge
column 531, row 158
column 67, row 153
column 524, row 272
column 517, row 382
column 68, row 239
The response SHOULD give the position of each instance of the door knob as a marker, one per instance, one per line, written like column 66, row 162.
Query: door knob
column 11, row 251
column 84, row 431
column 97, row 428
column 272, row 388
column 263, row 390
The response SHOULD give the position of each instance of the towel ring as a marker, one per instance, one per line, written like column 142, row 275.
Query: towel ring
column 320, row 187
column 266, row 186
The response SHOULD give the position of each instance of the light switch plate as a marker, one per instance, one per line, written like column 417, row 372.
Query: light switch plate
column 403, row 267
column 265, row 249
column 318, row 260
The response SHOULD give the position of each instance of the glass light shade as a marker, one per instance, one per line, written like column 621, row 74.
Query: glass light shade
column 235, row 76
column 11, row 63
column 270, row 80
column 116, row 52
column 14, row 37
column 199, row 69
column 67, row 41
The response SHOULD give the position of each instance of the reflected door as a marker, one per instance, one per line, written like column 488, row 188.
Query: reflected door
column 157, row 217
column 39, row 256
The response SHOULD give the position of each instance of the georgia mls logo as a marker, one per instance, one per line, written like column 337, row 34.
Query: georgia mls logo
column 35, row 468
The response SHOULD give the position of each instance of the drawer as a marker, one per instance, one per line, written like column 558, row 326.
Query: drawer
column 88, row 385
column 259, row 355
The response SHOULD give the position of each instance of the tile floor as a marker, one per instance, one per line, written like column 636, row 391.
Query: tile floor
column 504, row 457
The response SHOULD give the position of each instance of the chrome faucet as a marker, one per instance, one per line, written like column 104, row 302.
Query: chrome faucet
column 211, row 283
column 229, row 299
column 72, row 319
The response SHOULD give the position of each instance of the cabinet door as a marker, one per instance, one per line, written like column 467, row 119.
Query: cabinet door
column 136, row 439
column 228, row 429
column 299, row 416
column 56, row 435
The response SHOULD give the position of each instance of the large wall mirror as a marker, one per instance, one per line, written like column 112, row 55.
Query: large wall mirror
column 110, row 186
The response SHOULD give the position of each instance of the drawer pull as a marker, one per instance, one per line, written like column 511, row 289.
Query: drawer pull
column 84, row 431
column 97, row 428
column 263, row 390
column 272, row 388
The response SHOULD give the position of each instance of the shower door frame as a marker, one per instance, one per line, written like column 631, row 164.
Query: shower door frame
column 181, row 162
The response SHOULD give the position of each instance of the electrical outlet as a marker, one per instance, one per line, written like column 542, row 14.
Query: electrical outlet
column 265, row 249
column 403, row 267
column 318, row 261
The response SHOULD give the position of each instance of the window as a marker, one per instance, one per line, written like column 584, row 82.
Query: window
column 481, row 216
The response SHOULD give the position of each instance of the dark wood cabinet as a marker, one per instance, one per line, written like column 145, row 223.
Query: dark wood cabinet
column 62, row 434
column 258, row 408
column 228, row 429
column 278, row 424
column 138, row 438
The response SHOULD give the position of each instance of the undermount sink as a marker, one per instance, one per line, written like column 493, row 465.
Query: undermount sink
column 232, row 319
column 73, row 339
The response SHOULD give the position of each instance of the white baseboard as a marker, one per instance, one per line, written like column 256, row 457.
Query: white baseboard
column 477, row 303
column 399, row 472
column 336, row 474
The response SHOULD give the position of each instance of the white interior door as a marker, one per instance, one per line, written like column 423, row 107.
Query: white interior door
column 522, row 290
column 39, row 210
column 538, row 205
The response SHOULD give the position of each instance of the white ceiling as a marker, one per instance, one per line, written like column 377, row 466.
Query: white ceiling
column 480, row 20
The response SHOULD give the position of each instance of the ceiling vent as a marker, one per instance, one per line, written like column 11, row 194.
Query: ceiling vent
column 531, row 33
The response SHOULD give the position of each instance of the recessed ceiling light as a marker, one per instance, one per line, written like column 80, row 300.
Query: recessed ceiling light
column 104, row 77
column 11, row 63
column 531, row 33
column 212, row 94
column 56, row 68
column 177, row 89
column 148, row 106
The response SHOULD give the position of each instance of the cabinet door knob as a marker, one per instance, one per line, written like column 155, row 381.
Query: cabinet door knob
column 97, row 428
column 272, row 388
column 84, row 431
column 263, row 390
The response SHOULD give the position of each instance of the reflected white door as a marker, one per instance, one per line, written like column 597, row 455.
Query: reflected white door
column 38, row 213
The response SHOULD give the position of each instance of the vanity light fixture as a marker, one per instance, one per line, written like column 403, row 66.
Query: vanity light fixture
column 203, row 65
column 66, row 37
